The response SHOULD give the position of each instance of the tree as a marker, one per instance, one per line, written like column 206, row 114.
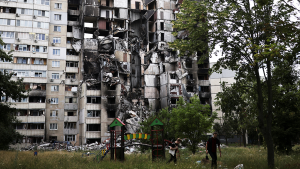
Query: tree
column 8, row 89
column 165, row 116
column 236, row 103
column 192, row 120
column 287, row 110
column 253, row 36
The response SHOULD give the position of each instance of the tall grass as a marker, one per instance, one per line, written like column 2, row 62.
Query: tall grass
column 254, row 157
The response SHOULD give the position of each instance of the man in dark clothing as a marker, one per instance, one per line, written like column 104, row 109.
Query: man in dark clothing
column 173, row 150
column 211, row 148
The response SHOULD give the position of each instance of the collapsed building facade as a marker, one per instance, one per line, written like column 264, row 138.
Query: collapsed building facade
column 116, row 63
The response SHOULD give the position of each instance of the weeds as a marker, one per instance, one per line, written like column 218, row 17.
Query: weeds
column 252, row 157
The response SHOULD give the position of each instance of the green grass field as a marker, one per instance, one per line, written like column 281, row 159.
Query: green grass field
column 252, row 157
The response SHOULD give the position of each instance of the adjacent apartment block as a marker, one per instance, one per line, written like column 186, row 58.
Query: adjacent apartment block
column 90, row 61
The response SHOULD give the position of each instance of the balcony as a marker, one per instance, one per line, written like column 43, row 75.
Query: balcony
column 203, row 82
column 72, row 58
column 92, row 120
column 32, row 132
column 71, row 118
column 93, row 134
column 73, row 23
column 73, row 12
column 72, row 70
column 93, row 92
column 70, row 34
column 37, row 93
column 91, row 106
column 204, row 94
column 71, row 106
column 71, row 81
column 31, row 119
column 71, row 131
column 29, row 105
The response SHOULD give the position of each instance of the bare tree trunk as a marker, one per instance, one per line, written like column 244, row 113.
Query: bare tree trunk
column 226, row 140
column 269, row 139
column 266, row 130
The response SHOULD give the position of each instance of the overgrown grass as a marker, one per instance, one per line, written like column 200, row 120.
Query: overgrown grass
column 252, row 157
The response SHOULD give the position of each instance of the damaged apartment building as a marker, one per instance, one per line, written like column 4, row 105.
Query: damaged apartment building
column 104, row 59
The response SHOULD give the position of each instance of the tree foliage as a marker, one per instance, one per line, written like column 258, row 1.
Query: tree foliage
column 8, row 89
column 192, row 120
column 252, row 35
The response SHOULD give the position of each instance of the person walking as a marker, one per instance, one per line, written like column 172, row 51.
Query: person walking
column 173, row 150
column 211, row 148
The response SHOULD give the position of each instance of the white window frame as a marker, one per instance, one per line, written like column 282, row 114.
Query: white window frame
column 23, row 35
column 5, row 46
column 54, row 100
column 53, row 126
column 8, row 35
column 73, row 137
column 40, row 36
column 56, row 52
column 54, row 88
column 57, row 17
column 55, row 63
column 55, row 75
column 57, row 5
column 56, row 40
column 57, row 29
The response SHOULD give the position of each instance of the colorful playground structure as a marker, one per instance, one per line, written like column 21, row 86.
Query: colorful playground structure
column 117, row 151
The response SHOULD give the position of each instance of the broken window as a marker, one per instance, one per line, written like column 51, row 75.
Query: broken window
column 70, row 138
column 71, row 113
column 71, row 64
column 174, row 100
column 137, row 5
column 70, row 76
column 113, row 87
column 52, row 138
column 70, row 125
column 172, row 76
column 117, row 13
column 95, row 100
column 93, row 113
column 189, row 89
column 69, row 29
column 204, row 100
column 94, row 87
column 71, row 100
column 107, row 14
column 111, row 114
column 162, row 36
column 93, row 127
column 53, row 113
column 162, row 26
column 107, row 2
column 36, row 99
column 111, row 100
column 190, row 76
column 202, row 77
column 189, row 64
column 204, row 88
